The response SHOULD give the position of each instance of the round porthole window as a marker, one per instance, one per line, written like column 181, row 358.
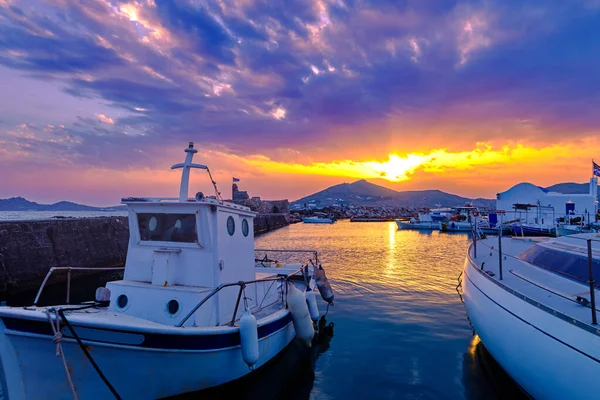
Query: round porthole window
column 152, row 224
column 245, row 228
column 122, row 301
column 173, row 307
column 230, row 225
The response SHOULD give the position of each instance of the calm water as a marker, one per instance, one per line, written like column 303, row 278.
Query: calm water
column 401, row 331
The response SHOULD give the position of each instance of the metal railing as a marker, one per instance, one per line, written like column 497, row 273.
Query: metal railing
column 242, row 285
column 68, row 269
column 313, row 252
column 591, row 281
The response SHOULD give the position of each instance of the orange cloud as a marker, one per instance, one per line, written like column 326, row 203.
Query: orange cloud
column 104, row 119
column 398, row 168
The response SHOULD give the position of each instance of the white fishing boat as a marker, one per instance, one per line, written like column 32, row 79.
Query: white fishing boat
column 533, row 229
column 455, row 226
column 463, row 220
column 532, row 303
column 318, row 220
column 571, row 229
column 192, row 311
column 424, row 222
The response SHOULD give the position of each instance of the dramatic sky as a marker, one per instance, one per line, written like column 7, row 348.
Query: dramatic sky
column 98, row 98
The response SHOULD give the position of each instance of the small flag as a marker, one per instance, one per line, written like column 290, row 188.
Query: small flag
column 236, row 180
column 596, row 169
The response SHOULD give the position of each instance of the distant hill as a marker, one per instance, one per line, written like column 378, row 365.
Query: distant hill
column 21, row 204
column 366, row 193
column 570, row 188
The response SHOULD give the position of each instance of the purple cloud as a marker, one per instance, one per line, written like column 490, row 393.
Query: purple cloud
column 257, row 76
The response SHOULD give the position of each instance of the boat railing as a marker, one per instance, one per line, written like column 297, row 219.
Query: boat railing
column 314, row 258
column 69, row 270
column 591, row 281
column 242, row 285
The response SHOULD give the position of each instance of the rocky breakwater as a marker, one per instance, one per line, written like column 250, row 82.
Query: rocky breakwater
column 28, row 249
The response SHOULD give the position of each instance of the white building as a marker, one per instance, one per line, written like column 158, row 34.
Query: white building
column 533, row 204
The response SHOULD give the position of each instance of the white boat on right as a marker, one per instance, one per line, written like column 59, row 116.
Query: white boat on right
column 532, row 303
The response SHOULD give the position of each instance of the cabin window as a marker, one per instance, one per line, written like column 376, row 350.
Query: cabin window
column 230, row 225
column 574, row 266
column 245, row 228
column 122, row 301
column 173, row 307
column 157, row 227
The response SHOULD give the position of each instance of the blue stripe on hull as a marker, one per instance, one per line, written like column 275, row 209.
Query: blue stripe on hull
column 157, row 340
column 529, row 231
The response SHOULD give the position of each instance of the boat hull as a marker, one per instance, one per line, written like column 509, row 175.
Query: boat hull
column 453, row 226
column 572, row 230
column 317, row 221
column 420, row 226
column 533, row 231
column 494, row 231
column 548, row 357
column 176, row 365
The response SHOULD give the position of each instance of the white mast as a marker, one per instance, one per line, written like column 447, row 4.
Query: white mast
column 186, row 166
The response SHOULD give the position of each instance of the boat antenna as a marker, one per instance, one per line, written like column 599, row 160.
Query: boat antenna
column 217, row 193
column 186, row 167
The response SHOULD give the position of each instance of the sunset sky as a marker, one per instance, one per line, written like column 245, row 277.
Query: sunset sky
column 99, row 98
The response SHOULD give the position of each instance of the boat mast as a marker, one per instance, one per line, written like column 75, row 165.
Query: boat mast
column 186, row 166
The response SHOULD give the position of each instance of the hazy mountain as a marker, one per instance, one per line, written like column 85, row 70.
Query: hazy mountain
column 366, row 193
column 570, row 188
column 21, row 204
column 358, row 189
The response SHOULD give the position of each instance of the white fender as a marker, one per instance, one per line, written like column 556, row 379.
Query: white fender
column 323, row 285
column 311, row 301
column 300, row 314
column 249, row 339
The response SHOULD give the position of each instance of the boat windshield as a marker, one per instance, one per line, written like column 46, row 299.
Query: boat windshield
column 160, row 227
column 562, row 262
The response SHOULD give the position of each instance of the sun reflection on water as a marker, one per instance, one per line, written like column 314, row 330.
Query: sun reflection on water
column 362, row 258
column 400, row 325
column 391, row 253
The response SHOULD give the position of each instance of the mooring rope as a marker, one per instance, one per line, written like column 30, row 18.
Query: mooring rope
column 88, row 355
column 59, row 350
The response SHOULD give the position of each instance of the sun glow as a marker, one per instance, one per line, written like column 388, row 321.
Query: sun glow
column 398, row 168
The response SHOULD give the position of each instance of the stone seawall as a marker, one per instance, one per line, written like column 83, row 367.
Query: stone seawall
column 268, row 222
column 29, row 248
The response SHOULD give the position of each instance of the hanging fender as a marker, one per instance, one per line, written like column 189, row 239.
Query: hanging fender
column 323, row 284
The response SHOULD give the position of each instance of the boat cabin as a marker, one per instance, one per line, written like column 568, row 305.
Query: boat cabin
column 179, row 250
column 567, row 257
column 464, row 213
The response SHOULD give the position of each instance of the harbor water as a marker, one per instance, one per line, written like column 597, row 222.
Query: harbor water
column 401, row 330
column 398, row 327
